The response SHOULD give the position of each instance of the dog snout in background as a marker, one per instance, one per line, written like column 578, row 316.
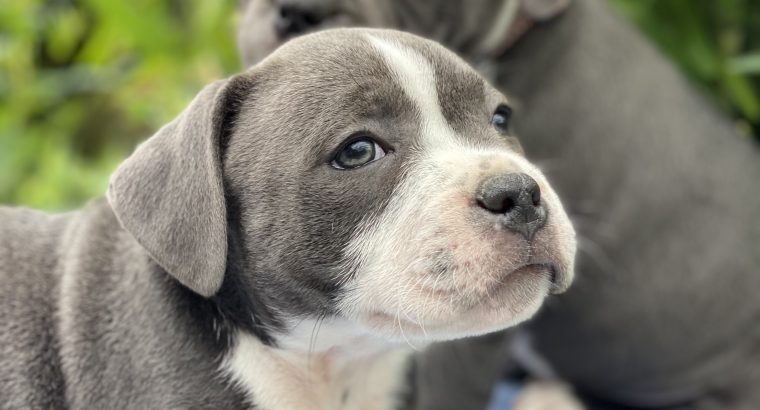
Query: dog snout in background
column 293, row 20
column 270, row 23
column 484, row 27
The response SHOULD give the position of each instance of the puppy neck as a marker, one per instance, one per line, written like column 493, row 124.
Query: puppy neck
column 322, row 365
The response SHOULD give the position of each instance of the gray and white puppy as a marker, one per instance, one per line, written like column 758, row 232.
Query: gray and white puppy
column 282, row 240
column 663, row 192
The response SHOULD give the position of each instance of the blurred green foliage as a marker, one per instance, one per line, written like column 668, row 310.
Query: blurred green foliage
column 83, row 81
column 715, row 42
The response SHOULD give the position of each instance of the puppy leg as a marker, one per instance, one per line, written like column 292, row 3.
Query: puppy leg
column 547, row 395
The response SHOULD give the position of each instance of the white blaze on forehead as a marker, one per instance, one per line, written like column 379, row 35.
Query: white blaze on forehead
column 416, row 77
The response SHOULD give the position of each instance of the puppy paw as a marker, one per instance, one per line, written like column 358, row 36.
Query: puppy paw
column 547, row 396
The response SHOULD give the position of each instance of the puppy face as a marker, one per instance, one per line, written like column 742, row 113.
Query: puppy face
column 355, row 169
column 361, row 176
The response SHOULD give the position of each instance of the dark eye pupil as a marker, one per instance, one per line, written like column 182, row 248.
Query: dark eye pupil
column 500, row 119
column 356, row 154
column 358, row 150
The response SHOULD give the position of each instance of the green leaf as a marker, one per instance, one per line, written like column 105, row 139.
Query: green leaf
column 745, row 64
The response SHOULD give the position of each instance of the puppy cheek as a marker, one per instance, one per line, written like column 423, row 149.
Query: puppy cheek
column 443, row 267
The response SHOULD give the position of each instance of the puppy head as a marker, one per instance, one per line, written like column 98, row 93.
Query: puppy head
column 468, row 26
column 365, row 175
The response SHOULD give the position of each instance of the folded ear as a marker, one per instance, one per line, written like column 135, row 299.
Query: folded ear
column 169, row 194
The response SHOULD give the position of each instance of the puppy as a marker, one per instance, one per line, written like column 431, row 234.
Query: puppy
column 285, row 241
column 662, row 190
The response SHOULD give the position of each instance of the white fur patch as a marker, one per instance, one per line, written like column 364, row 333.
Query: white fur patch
column 416, row 77
column 342, row 377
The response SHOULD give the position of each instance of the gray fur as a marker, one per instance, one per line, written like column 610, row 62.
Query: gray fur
column 89, row 322
column 663, row 193
column 31, row 375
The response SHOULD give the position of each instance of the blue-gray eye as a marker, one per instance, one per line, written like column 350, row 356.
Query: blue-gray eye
column 500, row 119
column 358, row 152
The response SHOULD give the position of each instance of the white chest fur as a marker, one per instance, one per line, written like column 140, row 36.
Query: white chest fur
column 355, row 373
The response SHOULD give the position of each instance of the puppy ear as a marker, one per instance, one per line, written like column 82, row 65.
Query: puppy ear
column 169, row 194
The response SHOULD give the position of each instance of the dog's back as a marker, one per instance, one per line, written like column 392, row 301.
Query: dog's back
column 29, row 279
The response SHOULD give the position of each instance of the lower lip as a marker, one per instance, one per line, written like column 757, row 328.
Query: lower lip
column 494, row 295
column 533, row 268
column 536, row 269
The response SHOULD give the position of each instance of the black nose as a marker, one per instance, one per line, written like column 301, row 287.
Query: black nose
column 292, row 21
column 517, row 199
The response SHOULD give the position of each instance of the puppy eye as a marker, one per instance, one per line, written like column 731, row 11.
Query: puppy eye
column 357, row 153
column 500, row 119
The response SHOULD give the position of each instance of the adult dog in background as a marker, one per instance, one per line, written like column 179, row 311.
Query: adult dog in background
column 663, row 193
column 281, row 242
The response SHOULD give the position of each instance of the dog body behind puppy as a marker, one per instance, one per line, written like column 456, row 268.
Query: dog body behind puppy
column 664, row 196
column 282, row 241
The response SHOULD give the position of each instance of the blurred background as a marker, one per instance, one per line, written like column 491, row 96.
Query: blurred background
column 83, row 81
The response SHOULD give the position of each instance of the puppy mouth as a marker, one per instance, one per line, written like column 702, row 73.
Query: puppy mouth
column 547, row 270
column 537, row 270
column 491, row 295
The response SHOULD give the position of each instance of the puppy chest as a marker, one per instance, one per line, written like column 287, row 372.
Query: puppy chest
column 283, row 380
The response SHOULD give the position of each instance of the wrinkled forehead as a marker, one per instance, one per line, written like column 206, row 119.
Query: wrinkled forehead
column 371, row 74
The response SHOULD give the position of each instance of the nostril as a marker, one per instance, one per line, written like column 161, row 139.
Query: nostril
column 499, row 205
column 535, row 195
column 507, row 205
